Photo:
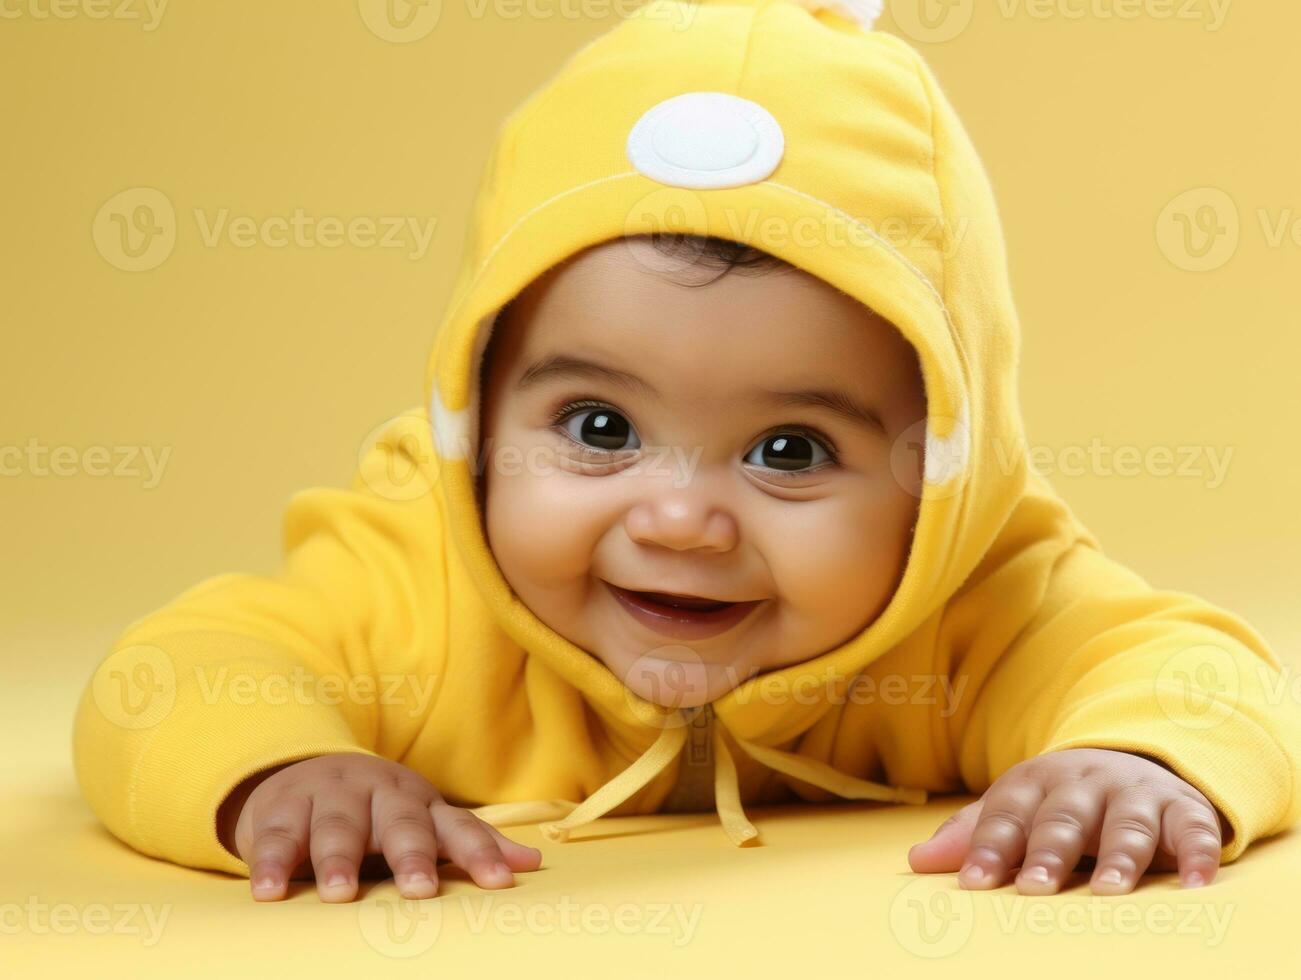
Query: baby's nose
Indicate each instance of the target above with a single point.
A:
(683, 521)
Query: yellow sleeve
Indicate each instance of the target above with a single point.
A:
(1074, 650)
(341, 651)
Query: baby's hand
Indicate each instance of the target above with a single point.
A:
(335, 809)
(1119, 807)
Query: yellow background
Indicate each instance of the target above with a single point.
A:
(263, 370)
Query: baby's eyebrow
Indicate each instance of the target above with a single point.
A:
(566, 366)
(833, 400)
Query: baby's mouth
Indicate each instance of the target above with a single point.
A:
(682, 616)
(675, 601)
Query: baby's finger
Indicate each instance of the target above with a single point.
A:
(519, 857)
(1063, 826)
(468, 843)
(1192, 835)
(404, 829)
(999, 838)
(279, 844)
(947, 846)
(340, 831)
(1131, 829)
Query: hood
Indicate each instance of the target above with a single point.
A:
(685, 116)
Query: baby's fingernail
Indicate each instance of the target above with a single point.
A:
(414, 880)
(1037, 873)
(264, 884)
(973, 872)
(1194, 880)
(502, 871)
(1110, 877)
(336, 880)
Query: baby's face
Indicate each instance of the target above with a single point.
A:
(648, 437)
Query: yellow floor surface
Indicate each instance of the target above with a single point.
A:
(829, 893)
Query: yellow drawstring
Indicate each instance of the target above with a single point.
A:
(647, 767)
(524, 811)
(727, 794)
(562, 816)
(825, 777)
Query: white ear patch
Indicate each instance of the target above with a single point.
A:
(865, 12)
(948, 458)
(451, 429)
(706, 140)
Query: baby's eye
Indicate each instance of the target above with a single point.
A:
(601, 428)
(788, 451)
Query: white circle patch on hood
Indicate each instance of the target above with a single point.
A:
(706, 140)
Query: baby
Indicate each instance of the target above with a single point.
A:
(720, 499)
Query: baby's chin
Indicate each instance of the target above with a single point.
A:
(674, 676)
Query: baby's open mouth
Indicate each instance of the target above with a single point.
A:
(682, 616)
(676, 601)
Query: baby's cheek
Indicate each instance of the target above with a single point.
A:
(835, 564)
(542, 527)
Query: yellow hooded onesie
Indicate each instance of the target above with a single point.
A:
(390, 629)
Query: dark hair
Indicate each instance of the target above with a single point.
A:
(712, 252)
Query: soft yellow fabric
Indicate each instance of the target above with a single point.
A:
(1007, 602)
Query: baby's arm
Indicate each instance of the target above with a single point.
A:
(341, 651)
(1106, 718)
